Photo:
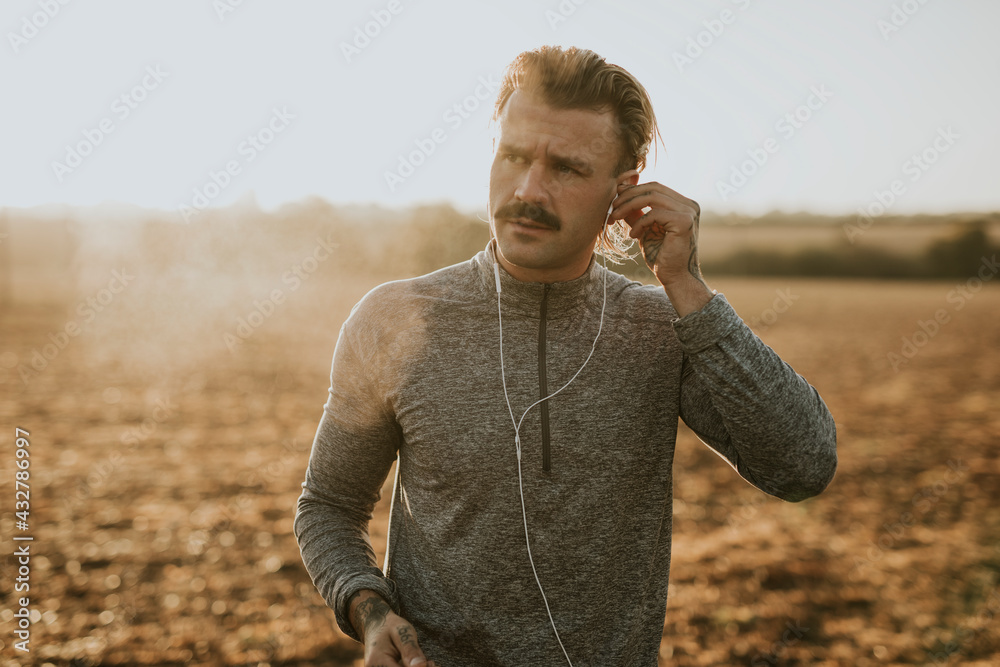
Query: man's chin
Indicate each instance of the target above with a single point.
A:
(521, 254)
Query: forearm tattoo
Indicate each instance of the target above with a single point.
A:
(371, 613)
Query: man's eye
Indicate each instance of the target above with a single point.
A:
(566, 169)
(513, 159)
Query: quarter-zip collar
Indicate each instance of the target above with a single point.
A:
(542, 302)
(523, 298)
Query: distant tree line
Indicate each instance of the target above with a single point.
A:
(955, 257)
(244, 243)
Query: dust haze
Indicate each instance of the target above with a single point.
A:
(172, 376)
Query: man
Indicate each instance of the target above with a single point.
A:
(532, 397)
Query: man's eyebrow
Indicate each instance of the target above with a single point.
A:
(505, 147)
(580, 164)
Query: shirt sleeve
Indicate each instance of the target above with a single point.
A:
(354, 447)
(752, 407)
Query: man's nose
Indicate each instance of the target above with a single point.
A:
(533, 187)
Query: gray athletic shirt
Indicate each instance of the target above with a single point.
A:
(416, 377)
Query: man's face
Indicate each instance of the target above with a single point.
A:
(550, 186)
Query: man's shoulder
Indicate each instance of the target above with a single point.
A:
(408, 298)
(450, 279)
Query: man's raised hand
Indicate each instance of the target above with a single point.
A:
(668, 236)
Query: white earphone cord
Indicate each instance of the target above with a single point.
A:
(517, 425)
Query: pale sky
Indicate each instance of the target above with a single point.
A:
(297, 104)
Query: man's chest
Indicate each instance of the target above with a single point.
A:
(457, 406)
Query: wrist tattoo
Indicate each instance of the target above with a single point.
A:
(371, 614)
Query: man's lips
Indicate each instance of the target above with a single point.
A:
(531, 224)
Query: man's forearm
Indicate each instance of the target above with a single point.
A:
(752, 407)
(367, 611)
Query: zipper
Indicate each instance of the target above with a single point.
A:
(543, 388)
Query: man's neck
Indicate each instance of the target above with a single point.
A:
(546, 275)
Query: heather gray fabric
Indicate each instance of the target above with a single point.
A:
(416, 374)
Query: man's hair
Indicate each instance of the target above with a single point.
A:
(577, 78)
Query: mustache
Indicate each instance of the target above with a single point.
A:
(537, 214)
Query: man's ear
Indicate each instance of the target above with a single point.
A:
(630, 177)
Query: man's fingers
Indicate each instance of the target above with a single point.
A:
(632, 199)
(671, 221)
(629, 209)
(405, 638)
(387, 659)
(394, 645)
(676, 196)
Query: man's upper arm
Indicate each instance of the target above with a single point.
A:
(358, 437)
(355, 445)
